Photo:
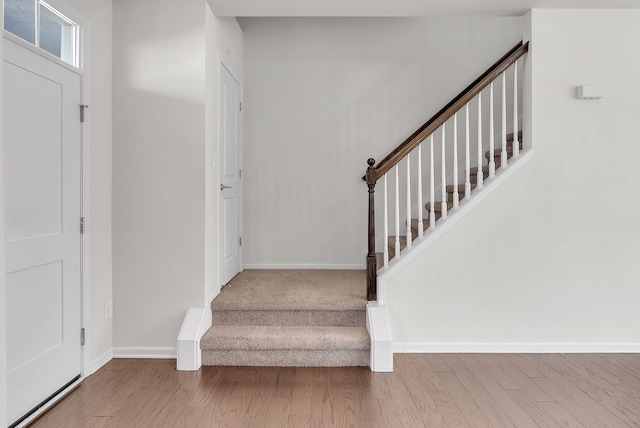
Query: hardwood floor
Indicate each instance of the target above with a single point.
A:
(426, 390)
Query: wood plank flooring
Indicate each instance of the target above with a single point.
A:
(426, 390)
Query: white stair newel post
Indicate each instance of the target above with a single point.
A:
(386, 225)
(397, 243)
(504, 120)
(480, 173)
(467, 180)
(408, 201)
(443, 205)
(420, 207)
(456, 194)
(432, 190)
(516, 143)
(492, 162)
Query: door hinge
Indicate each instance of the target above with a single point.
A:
(82, 336)
(240, 240)
(240, 174)
(81, 225)
(83, 108)
(240, 105)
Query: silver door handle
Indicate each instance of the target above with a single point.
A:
(222, 187)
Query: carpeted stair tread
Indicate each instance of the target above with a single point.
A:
(438, 207)
(461, 187)
(498, 151)
(392, 245)
(285, 337)
(415, 227)
(296, 290)
(289, 317)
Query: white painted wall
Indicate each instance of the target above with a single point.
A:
(165, 183)
(158, 163)
(224, 44)
(551, 256)
(324, 94)
(99, 15)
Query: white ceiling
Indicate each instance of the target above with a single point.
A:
(402, 7)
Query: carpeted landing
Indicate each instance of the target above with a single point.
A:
(312, 318)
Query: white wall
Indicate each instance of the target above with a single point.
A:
(165, 182)
(323, 95)
(99, 15)
(158, 178)
(551, 256)
(224, 44)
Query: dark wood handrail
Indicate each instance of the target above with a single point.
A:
(450, 109)
(374, 173)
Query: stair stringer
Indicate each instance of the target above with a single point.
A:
(467, 205)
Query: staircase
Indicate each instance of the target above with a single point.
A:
(437, 206)
(305, 318)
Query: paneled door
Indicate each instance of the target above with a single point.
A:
(230, 176)
(42, 186)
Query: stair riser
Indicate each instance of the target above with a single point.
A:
(291, 318)
(287, 357)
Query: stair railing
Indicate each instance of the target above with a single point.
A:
(459, 106)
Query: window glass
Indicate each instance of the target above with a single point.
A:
(57, 35)
(20, 18)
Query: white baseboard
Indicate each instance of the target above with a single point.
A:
(515, 348)
(101, 361)
(304, 266)
(160, 352)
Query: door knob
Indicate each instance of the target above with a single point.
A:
(222, 187)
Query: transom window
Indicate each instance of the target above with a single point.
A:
(40, 24)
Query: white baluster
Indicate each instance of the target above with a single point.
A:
(386, 226)
(408, 201)
(397, 243)
(467, 180)
(516, 143)
(480, 173)
(492, 162)
(432, 192)
(504, 120)
(420, 207)
(456, 195)
(443, 205)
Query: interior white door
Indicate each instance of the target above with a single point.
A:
(42, 185)
(230, 176)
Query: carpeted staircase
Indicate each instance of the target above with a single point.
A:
(312, 318)
(497, 156)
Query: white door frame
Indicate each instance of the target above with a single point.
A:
(222, 64)
(85, 202)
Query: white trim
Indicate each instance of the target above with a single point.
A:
(212, 296)
(99, 362)
(303, 266)
(196, 322)
(521, 348)
(443, 225)
(160, 352)
(235, 76)
(50, 403)
(379, 329)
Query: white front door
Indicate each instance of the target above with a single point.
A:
(230, 176)
(42, 185)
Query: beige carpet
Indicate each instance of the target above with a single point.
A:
(289, 318)
(294, 290)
